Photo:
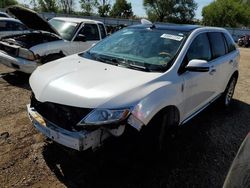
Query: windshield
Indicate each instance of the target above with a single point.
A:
(65, 29)
(148, 49)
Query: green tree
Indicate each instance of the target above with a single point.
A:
(48, 5)
(226, 13)
(103, 8)
(88, 6)
(6, 3)
(121, 9)
(179, 11)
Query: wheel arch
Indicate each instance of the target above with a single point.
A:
(172, 110)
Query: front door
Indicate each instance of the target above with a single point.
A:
(199, 87)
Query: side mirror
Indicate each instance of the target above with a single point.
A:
(81, 37)
(197, 65)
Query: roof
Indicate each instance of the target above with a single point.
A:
(9, 19)
(184, 28)
(76, 20)
(3, 13)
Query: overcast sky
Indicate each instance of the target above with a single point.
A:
(140, 11)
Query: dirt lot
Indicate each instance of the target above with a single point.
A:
(199, 157)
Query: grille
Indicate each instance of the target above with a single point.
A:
(63, 116)
(10, 50)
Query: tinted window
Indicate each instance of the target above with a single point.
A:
(19, 26)
(102, 30)
(3, 26)
(90, 31)
(230, 43)
(217, 44)
(11, 26)
(200, 48)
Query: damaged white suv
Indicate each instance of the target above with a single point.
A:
(47, 41)
(141, 73)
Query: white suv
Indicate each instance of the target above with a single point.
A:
(140, 74)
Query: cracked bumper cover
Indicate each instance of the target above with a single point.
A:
(79, 140)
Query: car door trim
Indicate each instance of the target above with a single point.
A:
(200, 110)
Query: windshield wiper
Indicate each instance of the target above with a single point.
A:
(137, 65)
(103, 58)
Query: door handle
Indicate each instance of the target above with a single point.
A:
(231, 62)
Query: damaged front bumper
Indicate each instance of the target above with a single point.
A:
(17, 63)
(78, 140)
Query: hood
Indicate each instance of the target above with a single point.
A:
(80, 82)
(31, 19)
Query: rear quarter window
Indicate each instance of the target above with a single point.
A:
(217, 44)
(230, 43)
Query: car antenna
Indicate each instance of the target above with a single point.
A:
(147, 22)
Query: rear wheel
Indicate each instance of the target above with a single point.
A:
(227, 96)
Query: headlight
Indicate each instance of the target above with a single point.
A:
(26, 54)
(104, 116)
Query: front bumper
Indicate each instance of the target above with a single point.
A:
(17, 63)
(80, 140)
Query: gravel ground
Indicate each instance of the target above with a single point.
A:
(199, 157)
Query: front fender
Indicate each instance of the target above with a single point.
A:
(149, 106)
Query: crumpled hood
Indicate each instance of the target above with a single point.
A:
(81, 82)
(31, 19)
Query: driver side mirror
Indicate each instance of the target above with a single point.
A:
(81, 37)
(197, 65)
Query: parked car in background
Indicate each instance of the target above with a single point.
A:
(147, 77)
(4, 15)
(11, 26)
(47, 41)
(244, 41)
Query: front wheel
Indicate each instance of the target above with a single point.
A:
(160, 131)
(227, 96)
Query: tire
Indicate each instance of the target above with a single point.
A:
(160, 131)
(227, 95)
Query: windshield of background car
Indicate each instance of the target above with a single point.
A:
(151, 49)
(65, 29)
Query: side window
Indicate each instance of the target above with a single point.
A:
(230, 43)
(199, 49)
(102, 30)
(217, 44)
(90, 31)
(19, 27)
(3, 25)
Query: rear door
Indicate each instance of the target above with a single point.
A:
(220, 59)
(225, 62)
